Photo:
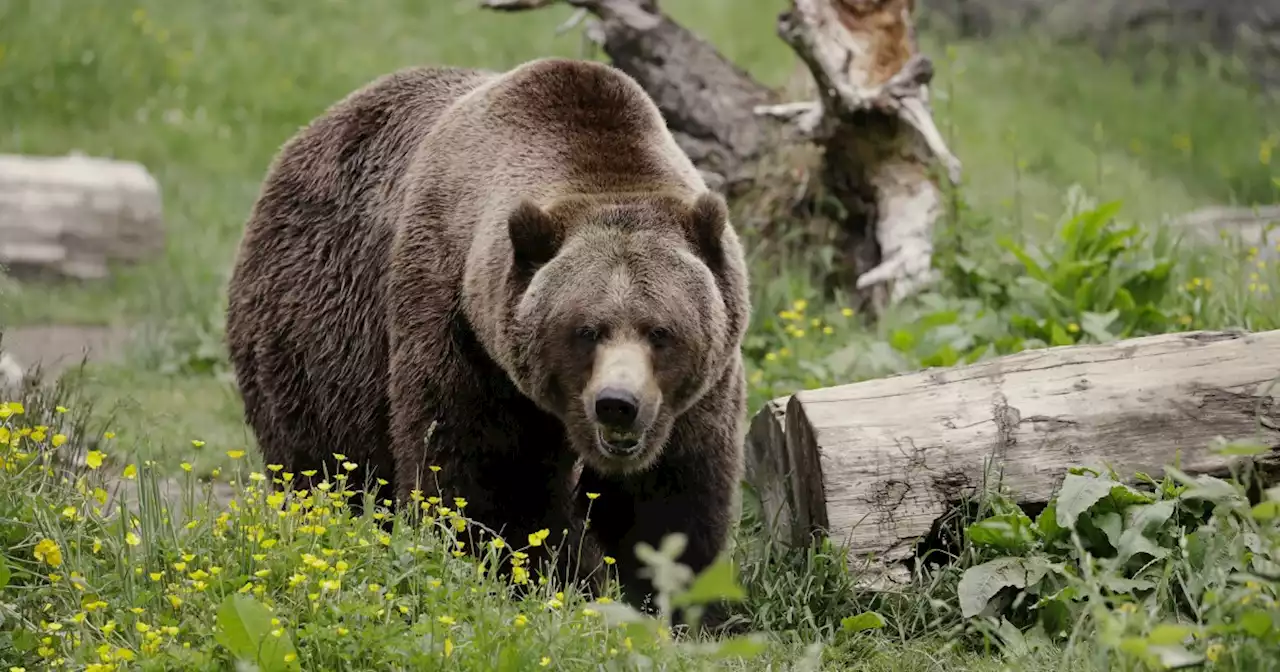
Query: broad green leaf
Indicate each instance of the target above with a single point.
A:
(1166, 634)
(1094, 539)
(1266, 511)
(938, 319)
(1148, 519)
(25, 641)
(980, 583)
(902, 340)
(867, 620)
(4, 573)
(1142, 524)
(1013, 641)
(1256, 622)
(1055, 616)
(1211, 489)
(1124, 300)
(1138, 544)
(1121, 585)
(1197, 548)
(1096, 325)
(245, 630)
(1058, 335)
(1247, 448)
(1010, 532)
(1124, 495)
(1033, 269)
(716, 582)
(1112, 525)
(1078, 493)
(1047, 523)
(743, 646)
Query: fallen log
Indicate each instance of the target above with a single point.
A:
(875, 464)
(866, 139)
(71, 217)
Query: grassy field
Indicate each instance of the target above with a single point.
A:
(204, 93)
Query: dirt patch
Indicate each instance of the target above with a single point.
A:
(56, 348)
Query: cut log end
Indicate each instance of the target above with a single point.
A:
(874, 465)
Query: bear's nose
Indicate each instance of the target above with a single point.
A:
(617, 408)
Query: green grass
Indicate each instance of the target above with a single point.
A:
(204, 93)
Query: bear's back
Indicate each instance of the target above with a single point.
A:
(547, 128)
(305, 322)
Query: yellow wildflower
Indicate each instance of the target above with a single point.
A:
(47, 551)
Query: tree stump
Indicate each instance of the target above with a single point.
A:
(868, 137)
(876, 464)
(72, 217)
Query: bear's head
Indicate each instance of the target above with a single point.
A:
(625, 313)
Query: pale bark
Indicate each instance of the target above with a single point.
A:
(875, 464)
(73, 216)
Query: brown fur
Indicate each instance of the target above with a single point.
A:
(479, 253)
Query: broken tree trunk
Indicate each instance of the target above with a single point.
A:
(72, 216)
(870, 125)
(875, 464)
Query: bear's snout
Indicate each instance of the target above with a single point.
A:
(622, 398)
(617, 408)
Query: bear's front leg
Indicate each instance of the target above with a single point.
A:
(692, 489)
(452, 408)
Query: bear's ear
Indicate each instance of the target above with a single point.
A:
(704, 225)
(535, 235)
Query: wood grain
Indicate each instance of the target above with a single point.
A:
(874, 464)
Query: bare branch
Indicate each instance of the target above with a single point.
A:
(806, 116)
(517, 5)
(572, 22)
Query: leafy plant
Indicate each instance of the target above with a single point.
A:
(1180, 571)
(1094, 277)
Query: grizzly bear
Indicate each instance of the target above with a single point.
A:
(517, 278)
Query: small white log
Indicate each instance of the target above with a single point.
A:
(1256, 226)
(874, 464)
(12, 375)
(73, 216)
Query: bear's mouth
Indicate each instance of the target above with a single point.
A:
(618, 443)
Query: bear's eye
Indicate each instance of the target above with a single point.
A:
(587, 334)
(660, 337)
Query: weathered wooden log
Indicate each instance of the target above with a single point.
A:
(874, 464)
(70, 217)
(869, 123)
